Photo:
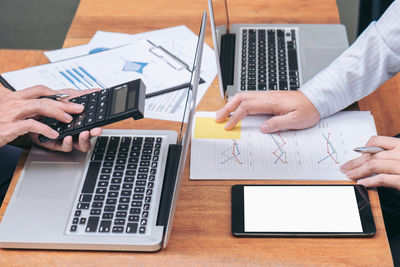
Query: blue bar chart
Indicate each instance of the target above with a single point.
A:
(80, 78)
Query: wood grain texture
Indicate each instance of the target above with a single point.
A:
(16, 59)
(201, 231)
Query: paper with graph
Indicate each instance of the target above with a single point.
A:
(103, 70)
(246, 153)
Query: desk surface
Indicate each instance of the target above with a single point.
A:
(201, 232)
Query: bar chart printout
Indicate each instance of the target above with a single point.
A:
(246, 153)
(79, 78)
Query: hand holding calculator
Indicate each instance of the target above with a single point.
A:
(101, 108)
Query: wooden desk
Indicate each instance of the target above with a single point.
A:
(201, 233)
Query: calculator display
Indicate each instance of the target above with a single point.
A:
(123, 99)
(131, 99)
(119, 96)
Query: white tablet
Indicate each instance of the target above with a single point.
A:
(301, 210)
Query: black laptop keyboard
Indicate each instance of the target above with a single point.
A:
(117, 192)
(269, 60)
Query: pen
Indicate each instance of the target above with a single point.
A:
(55, 97)
(369, 149)
(171, 89)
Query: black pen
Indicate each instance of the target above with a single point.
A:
(171, 89)
(55, 97)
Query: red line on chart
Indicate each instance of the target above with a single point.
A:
(279, 153)
(232, 153)
(331, 152)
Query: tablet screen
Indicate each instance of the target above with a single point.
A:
(301, 209)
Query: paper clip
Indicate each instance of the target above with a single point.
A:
(168, 57)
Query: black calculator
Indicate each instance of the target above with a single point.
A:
(101, 108)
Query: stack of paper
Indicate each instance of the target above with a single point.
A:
(246, 153)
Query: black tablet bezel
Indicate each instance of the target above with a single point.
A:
(364, 208)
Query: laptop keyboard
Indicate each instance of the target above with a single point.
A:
(269, 60)
(117, 192)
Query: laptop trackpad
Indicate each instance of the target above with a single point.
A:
(49, 180)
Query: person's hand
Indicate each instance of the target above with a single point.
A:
(379, 169)
(292, 110)
(18, 111)
(67, 144)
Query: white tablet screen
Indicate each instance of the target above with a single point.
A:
(301, 209)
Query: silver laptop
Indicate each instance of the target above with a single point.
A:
(121, 195)
(261, 57)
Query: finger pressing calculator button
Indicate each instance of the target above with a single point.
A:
(81, 116)
(51, 122)
(59, 128)
(83, 101)
(96, 113)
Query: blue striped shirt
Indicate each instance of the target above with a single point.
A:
(361, 69)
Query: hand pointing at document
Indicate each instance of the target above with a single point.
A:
(292, 110)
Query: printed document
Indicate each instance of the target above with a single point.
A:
(246, 153)
(103, 70)
(179, 40)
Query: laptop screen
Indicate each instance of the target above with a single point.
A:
(185, 133)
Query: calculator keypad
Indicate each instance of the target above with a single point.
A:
(95, 111)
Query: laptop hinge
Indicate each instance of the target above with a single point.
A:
(171, 170)
(6, 84)
(227, 59)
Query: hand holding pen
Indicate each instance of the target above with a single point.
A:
(379, 164)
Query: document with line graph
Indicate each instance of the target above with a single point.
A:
(246, 153)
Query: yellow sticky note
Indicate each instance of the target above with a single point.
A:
(207, 128)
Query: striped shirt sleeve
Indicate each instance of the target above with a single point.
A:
(361, 69)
